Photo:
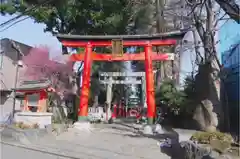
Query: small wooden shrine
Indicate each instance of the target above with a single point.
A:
(34, 109)
(35, 94)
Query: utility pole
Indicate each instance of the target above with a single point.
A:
(1, 58)
(18, 53)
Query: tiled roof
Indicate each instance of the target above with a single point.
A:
(34, 85)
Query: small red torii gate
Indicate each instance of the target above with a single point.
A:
(147, 41)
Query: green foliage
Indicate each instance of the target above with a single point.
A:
(179, 102)
(190, 92)
(77, 17)
(170, 96)
(219, 141)
(189, 87)
(205, 137)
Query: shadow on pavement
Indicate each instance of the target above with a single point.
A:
(174, 151)
(169, 143)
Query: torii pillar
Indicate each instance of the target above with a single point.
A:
(83, 112)
(151, 106)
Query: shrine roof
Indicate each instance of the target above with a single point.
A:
(33, 85)
(167, 35)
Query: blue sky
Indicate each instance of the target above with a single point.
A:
(228, 34)
(30, 33)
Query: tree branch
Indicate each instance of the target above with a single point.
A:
(231, 8)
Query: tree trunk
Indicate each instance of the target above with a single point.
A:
(208, 64)
(160, 27)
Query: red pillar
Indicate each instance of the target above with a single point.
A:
(114, 113)
(151, 107)
(83, 112)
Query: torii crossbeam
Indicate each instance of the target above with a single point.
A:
(147, 41)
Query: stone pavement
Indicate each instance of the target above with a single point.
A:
(102, 142)
(105, 142)
(13, 152)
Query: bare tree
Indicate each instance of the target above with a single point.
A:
(203, 17)
(231, 8)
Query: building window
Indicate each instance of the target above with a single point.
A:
(33, 101)
(235, 59)
(232, 60)
(237, 54)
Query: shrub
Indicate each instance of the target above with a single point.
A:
(219, 141)
(205, 137)
(169, 96)
(22, 125)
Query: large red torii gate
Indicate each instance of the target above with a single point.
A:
(147, 41)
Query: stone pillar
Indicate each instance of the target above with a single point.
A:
(144, 102)
(109, 97)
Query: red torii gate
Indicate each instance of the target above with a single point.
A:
(90, 41)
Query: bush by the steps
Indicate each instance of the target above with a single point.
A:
(205, 137)
(22, 125)
(219, 141)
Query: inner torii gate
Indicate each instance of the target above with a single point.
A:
(109, 81)
(117, 42)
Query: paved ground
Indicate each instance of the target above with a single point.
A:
(13, 152)
(103, 142)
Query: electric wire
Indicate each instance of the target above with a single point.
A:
(24, 13)
(16, 22)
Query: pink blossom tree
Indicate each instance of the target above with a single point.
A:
(40, 66)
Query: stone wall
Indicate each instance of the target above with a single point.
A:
(30, 118)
